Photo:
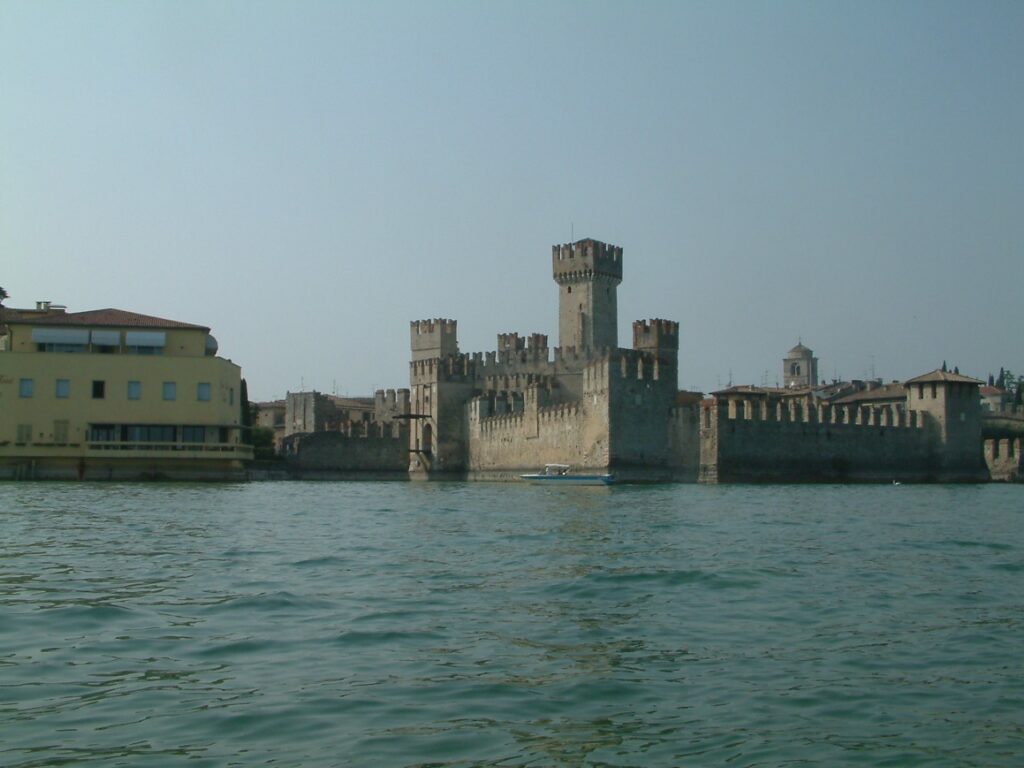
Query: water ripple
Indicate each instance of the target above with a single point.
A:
(461, 625)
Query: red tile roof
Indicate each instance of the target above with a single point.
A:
(940, 375)
(117, 318)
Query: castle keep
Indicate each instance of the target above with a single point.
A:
(586, 402)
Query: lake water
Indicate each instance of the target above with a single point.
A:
(324, 624)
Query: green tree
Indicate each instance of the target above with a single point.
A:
(246, 415)
(263, 442)
(3, 295)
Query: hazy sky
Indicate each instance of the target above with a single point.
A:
(306, 178)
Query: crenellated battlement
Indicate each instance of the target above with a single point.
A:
(432, 326)
(586, 259)
(656, 335)
(433, 338)
(390, 398)
(388, 403)
(449, 368)
(511, 342)
(797, 411)
(1004, 460)
(477, 366)
(507, 411)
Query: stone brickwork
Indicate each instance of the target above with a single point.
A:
(1003, 458)
(362, 447)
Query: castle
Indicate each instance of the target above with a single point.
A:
(603, 408)
(586, 402)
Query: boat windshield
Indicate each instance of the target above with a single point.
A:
(556, 469)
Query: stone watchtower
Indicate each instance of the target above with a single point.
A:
(954, 406)
(800, 368)
(588, 273)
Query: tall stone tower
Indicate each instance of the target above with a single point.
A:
(588, 273)
(800, 368)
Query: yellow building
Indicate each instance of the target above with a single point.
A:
(109, 394)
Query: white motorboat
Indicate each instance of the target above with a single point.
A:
(562, 474)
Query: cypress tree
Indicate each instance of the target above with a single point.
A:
(246, 415)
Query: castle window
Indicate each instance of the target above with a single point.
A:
(920, 391)
(934, 395)
(568, 289)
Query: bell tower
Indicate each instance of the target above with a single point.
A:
(588, 273)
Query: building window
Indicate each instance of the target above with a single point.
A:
(148, 433)
(63, 388)
(24, 434)
(231, 396)
(134, 390)
(193, 434)
(62, 348)
(140, 350)
(203, 391)
(60, 432)
(102, 433)
(170, 390)
(25, 387)
(99, 390)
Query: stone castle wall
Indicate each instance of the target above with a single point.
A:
(625, 421)
(742, 441)
(524, 441)
(364, 447)
(684, 443)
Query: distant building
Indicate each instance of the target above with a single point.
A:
(996, 399)
(115, 394)
(271, 415)
(800, 368)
